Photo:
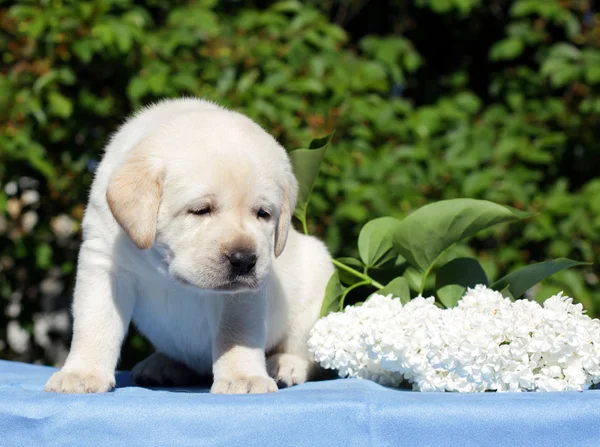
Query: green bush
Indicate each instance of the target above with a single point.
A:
(430, 99)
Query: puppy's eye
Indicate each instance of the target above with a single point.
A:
(201, 211)
(262, 214)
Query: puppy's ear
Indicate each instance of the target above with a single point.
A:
(288, 205)
(133, 196)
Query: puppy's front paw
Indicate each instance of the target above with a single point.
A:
(79, 382)
(288, 369)
(244, 385)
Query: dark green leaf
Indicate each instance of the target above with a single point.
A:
(333, 295)
(453, 278)
(426, 233)
(375, 241)
(306, 164)
(506, 293)
(398, 287)
(519, 281)
(414, 278)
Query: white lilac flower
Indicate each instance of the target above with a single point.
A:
(486, 342)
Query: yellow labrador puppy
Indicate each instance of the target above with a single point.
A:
(184, 233)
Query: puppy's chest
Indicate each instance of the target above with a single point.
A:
(177, 321)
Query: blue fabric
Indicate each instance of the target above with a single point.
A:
(333, 413)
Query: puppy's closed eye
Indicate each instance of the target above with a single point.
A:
(203, 210)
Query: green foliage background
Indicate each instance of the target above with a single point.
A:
(430, 100)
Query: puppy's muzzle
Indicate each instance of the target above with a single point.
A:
(242, 262)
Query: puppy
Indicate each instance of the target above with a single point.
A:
(188, 217)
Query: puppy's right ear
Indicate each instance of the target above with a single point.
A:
(133, 196)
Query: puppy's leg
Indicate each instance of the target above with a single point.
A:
(160, 370)
(289, 364)
(307, 258)
(288, 369)
(102, 308)
(238, 351)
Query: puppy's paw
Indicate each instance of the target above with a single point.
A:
(288, 369)
(244, 385)
(78, 382)
(159, 370)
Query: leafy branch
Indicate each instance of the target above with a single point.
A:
(419, 242)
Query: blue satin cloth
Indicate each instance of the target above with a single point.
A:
(333, 413)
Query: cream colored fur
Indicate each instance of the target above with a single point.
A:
(151, 256)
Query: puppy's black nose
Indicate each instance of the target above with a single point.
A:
(242, 262)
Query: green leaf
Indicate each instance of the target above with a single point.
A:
(453, 278)
(136, 88)
(60, 105)
(333, 295)
(506, 49)
(426, 233)
(306, 164)
(43, 256)
(414, 278)
(398, 287)
(376, 241)
(519, 281)
(287, 6)
(566, 51)
(506, 293)
(248, 80)
(592, 74)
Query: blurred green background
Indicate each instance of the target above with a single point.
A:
(430, 100)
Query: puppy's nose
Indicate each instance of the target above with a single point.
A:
(242, 262)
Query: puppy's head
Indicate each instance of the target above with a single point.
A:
(213, 194)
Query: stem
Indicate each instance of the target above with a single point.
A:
(349, 289)
(356, 273)
(367, 280)
(304, 226)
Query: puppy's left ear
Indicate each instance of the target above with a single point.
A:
(288, 205)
